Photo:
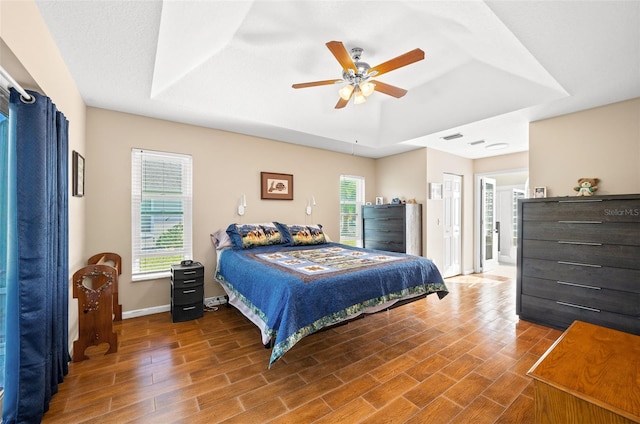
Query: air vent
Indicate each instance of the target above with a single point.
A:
(452, 136)
(475, 143)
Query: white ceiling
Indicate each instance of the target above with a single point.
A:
(490, 67)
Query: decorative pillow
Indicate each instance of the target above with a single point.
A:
(300, 235)
(221, 239)
(246, 236)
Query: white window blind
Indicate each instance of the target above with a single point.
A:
(351, 201)
(161, 210)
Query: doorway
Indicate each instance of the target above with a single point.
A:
(495, 229)
(452, 220)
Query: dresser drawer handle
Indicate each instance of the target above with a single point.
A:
(188, 308)
(580, 201)
(189, 281)
(577, 306)
(582, 243)
(188, 291)
(565, 283)
(579, 264)
(189, 272)
(580, 222)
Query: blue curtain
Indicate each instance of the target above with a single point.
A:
(37, 353)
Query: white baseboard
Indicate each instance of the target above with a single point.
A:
(215, 300)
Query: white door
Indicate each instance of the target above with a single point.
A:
(452, 216)
(488, 230)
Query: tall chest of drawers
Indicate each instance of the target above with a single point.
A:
(579, 259)
(394, 228)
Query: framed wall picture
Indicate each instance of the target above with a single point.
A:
(276, 186)
(78, 174)
(435, 191)
(539, 192)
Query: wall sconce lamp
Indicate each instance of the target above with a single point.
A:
(310, 202)
(242, 204)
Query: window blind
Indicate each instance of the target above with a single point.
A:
(351, 201)
(161, 212)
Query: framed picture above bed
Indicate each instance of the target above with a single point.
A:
(276, 186)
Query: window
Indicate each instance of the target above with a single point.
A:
(515, 195)
(351, 201)
(161, 202)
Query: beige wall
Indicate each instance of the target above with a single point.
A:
(603, 143)
(439, 162)
(403, 176)
(226, 165)
(513, 161)
(24, 32)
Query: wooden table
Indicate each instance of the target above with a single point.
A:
(591, 374)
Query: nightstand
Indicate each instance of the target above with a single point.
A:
(187, 291)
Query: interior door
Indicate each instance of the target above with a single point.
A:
(452, 217)
(489, 231)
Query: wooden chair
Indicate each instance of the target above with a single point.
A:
(93, 287)
(114, 260)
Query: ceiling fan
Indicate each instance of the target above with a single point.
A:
(358, 74)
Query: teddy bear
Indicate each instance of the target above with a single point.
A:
(587, 186)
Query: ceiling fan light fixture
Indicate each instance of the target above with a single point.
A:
(367, 88)
(345, 92)
(359, 97)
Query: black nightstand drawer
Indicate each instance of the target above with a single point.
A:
(187, 295)
(187, 272)
(189, 282)
(180, 313)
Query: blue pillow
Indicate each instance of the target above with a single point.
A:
(246, 236)
(302, 235)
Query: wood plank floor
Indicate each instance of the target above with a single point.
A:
(458, 360)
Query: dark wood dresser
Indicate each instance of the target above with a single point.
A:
(579, 259)
(394, 228)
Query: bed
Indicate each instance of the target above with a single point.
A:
(291, 281)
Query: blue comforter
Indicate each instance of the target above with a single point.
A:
(299, 290)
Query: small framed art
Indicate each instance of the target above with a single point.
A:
(435, 191)
(540, 192)
(276, 186)
(78, 174)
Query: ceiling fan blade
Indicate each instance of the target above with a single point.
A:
(341, 103)
(316, 83)
(391, 90)
(398, 62)
(342, 55)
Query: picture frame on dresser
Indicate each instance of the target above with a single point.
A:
(540, 192)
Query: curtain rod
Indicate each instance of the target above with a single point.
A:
(14, 84)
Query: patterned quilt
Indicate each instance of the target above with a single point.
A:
(297, 291)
